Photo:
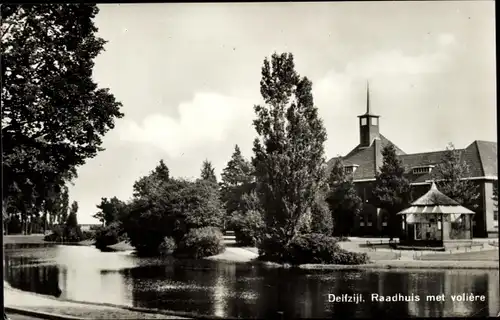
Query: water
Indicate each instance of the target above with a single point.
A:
(237, 290)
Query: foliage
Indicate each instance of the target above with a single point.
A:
(288, 153)
(449, 174)
(321, 217)
(170, 207)
(53, 114)
(392, 190)
(167, 246)
(69, 231)
(57, 203)
(208, 172)
(343, 199)
(109, 235)
(237, 180)
(110, 210)
(198, 205)
(72, 221)
(247, 222)
(201, 242)
(248, 227)
(321, 249)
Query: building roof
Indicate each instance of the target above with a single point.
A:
(366, 158)
(434, 197)
(480, 156)
(434, 201)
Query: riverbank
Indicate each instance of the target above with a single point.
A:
(18, 301)
(38, 239)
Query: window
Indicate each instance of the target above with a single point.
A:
(374, 121)
(350, 169)
(431, 222)
(495, 215)
(363, 121)
(418, 231)
(384, 221)
(369, 222)
(362, 221)
(422, 170)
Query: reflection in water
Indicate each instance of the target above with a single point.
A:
(239, 290)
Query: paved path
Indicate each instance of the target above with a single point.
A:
(354, 246)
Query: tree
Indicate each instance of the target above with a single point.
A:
(72, 221)
(237, 181)
(343, 200)
(167, 207)
(449, 176)
(53, 114)
(392, 190)
(288, 152)
(110, 210)
(156, 179)
(208, 172)
(321, 217)
(197, 205)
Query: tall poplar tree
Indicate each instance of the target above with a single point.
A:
(288, 152)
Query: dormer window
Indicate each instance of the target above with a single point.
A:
(422, 169)
(350, 168)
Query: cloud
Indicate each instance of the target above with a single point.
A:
(212, 120)
(446, 39)
(209, 118)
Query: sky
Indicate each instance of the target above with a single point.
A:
(188, 77)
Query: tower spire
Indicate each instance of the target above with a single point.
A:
(367, 97)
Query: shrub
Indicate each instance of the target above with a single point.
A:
(312, 248)
(88, 235)
(56, 235)
(318, 248)
(350, 258)
(65, 233)
(201, 242)
(247, 227)
(167, 246)
(271, 248)
(109, 235)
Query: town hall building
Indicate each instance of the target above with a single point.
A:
(366, 158)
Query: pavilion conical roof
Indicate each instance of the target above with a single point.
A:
(434, 197)
(434, 201)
